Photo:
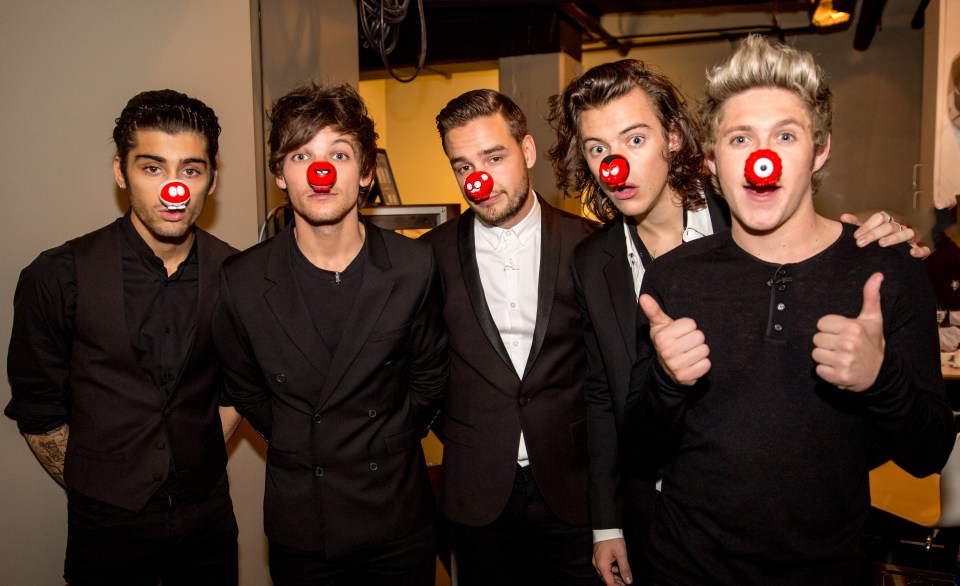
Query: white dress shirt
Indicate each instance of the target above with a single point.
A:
(509, 262)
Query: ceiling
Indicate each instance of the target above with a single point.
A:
(472, 34)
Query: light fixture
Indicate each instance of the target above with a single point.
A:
(831, 12)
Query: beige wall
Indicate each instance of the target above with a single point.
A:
(68, 68)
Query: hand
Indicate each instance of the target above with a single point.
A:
(610, 560)
(849, 352)
(681, 348)
(881, 228)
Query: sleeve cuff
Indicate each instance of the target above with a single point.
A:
(607, 534)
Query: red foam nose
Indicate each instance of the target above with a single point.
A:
(763, 168)
(321, 176)
(174, 193)
(614, 171)
(478, 186)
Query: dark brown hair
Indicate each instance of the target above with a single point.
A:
(474, 104)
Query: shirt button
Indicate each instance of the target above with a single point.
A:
(372, 413)
(515, 343)
(781, 288)
(374, 466)
(318, 471)
(778, 327)
(167, 330)
(513, 304)
(317, 418)
(161, 444)
(281, 378)
(780, 306)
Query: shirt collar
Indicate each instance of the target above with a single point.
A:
(527, 228)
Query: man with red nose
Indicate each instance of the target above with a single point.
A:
(514, 461)
(782, 359)
(334, 349)
(115, 382)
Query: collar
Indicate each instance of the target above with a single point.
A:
(527, 228)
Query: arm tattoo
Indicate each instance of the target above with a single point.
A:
(51, 448)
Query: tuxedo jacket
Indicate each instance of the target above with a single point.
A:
(489, 404)
(345, 471)
(605, 291)
(124, 431)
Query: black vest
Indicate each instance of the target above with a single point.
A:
(125, 433)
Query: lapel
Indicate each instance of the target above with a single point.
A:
(550, 247)
(619, 280)
(375, 290)
(471, 280)
(284, 300)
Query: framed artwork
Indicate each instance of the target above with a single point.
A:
(384, 185)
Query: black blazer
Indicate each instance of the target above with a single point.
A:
(345, 470)
(488, 404)
(605, 292)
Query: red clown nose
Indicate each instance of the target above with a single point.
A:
(321, 176)
(174, 194)
(614, 171)
(478, 186)
(763, 168)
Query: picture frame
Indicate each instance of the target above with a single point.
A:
(384, 185)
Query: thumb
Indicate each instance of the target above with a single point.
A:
(871, 298)
(652, 310)
(850, 219)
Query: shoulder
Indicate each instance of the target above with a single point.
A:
(254, 257)
(599, 241)
(569, 224)
(445, 231)
(51, 269)
(208, 244)
(403, 251)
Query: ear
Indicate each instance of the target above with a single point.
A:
(213, 182)
(366, 181)
(118, 173)
(673, 140)
(281, 182)
(529, 151)
(711, 164)
(820, 159)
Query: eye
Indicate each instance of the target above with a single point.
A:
(339, 156)
(597, 150)
(739, 140)
(786, 137)
(152, 169)
(496, 159)
(635, 140)
(299, 157)
(462, 170)
(191, 172)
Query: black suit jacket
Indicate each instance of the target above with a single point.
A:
(345, 470)
(606, 295)
(489, 404)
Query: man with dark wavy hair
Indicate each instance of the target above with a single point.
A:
(335, 350)
(115, 382)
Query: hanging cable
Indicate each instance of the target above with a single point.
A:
(380, 20)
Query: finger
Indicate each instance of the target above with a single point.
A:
(850, 219)
(625, 572)
(652, 310)
(898, 233)
(871, 298)
(919, 250)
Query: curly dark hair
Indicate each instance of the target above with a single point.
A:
(599, 86)
(309, 108)
(168, 111)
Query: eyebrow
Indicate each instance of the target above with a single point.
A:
(485, 152)
(159, 159)
(627, 130)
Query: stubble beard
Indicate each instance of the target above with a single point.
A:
(515, 202)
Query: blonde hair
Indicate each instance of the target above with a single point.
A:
(758, 63)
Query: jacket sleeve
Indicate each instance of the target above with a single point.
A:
(429, 365)
(244, 387)
(603, 453)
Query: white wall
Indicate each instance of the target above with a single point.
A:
(68, 68)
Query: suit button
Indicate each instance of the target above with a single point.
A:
(157, 477)
(387, 363)
(161, 444)
(524, 401)
(317, 418)
(281, 378)
(318, 471)
(374, 466)
(167, 412)
(372, 413)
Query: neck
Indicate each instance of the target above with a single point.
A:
(171, 251)
(796, 240)
(330, 247)
(661, 228)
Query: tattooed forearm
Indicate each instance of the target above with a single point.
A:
(51, 448)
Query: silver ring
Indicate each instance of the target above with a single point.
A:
(899, 225)
(886, 217)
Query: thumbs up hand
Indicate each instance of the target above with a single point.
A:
(681, 348)
(849, 352)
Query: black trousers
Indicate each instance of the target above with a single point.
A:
(408, 561)
(177, 538)
(527, 544)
